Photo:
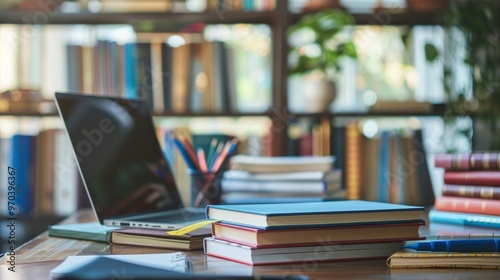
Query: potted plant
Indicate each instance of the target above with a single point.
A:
(318, 42)
(473, 39)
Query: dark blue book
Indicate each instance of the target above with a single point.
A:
(23, 161)
(166, 75)
(144, 73)
(314, 214)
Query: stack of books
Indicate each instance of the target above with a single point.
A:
(448, 252)
(311, 231)
(156, 238)
(471, 191)
(254, 179)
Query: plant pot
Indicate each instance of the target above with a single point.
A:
(317, 93)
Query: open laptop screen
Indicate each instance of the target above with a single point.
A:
(120, 159)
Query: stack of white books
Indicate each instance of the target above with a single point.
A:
(254, 179)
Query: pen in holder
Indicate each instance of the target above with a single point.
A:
(205, 188)
(205, 170)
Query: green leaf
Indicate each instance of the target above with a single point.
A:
(431, 52)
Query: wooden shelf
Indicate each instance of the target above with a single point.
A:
(390, 17)
(165, 114)
(383, 17)
(41, 17)
(437, 111)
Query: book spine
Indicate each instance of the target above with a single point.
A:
(22, 160)
(353, 161)
(474, 161)
(484, 178)
(485, 161)
(486, 192)
(468, 205)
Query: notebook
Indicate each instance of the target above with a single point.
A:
(124, 170)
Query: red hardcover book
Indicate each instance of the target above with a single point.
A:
(488, 192)
(473, 161)
(468, 205)
(259, 238)
(478, 178)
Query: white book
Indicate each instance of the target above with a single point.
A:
(260, 164)
(279, 186)
(4, 164)
(326, 176)
(280, 255)
(65, 181)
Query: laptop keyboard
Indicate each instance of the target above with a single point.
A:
(175, 217)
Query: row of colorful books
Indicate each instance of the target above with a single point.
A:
(45, 177)
(471, 191)
(391, 166)
(193, 76)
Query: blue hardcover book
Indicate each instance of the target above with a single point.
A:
(464, 219)
(22, 160)
(313, 214)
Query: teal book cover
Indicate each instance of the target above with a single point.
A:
(308, 214)
(86, 231)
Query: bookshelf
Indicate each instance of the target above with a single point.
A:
(278, 21)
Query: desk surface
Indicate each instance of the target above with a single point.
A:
(35, 259)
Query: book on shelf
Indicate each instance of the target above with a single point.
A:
(22, 162)
(65, 195)
(282, 255)
(310, 214)
(259, 238)
(471, 161)
(464, 219)
(127, 6)
(390, 171)
(401, 106)
(5, 151)
(160, 239)
(485, 178)
(353, 155)
(408, 258)
(259, 164)
(486, 192)
(468, 205)
(46, 172)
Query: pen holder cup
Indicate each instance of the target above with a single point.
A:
(205, 188)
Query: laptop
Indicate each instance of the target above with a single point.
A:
(124, 170)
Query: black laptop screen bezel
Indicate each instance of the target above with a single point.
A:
(83, 114)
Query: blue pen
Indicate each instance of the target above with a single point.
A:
(457, 245)
(184, 154)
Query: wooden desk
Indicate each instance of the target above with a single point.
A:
(35, 259)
